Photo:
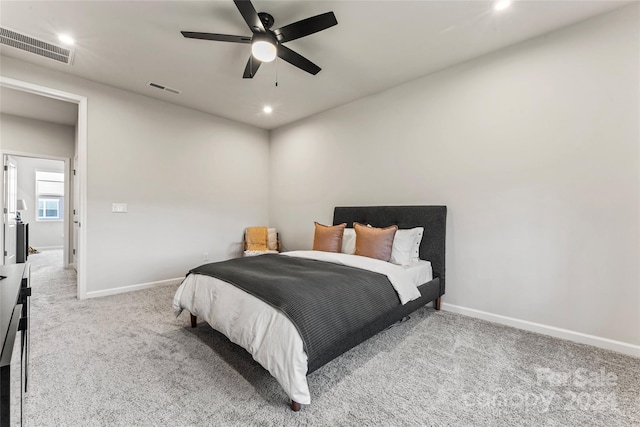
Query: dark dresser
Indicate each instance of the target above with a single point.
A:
(22, 247)
(14, 335)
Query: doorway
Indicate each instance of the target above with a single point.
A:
(38, 195)
(80, 171)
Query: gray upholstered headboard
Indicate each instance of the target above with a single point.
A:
(432, 218)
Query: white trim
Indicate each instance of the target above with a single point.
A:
(579, 337)
(131, 288)
(34, 156)
(81, 252)
(82, 164)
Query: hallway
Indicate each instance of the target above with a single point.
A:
(50, 282)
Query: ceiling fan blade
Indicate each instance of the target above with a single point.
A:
(297, 60)
(216, 37)
(250, 15)
(305, 27)
(252, 67)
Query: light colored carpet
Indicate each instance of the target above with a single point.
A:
(126, 360)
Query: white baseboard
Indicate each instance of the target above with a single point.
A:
(579, 337)
(131, 288)
(47, 248)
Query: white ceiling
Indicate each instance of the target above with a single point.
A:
(37, 107)
(376, 45)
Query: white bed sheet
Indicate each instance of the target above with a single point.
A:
(263, 331)
(266, 333)
(420, 272)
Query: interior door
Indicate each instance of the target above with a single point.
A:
(10, 202)
(76, 214)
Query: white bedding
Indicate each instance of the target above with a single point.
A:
(420, 272)
(265, 332)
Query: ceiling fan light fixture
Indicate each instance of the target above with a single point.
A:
(267, 44)
(263, 50)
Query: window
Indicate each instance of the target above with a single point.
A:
(50, 195)
(48, 208)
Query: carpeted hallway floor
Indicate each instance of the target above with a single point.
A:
(125, 360)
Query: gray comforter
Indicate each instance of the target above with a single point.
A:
(326, 302)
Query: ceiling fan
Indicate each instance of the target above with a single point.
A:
(266, 44)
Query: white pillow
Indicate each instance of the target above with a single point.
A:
(406, 246)
(349, 241)
(272, 239)
(416, 244)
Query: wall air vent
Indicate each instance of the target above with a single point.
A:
(165, 88)
(35, 46)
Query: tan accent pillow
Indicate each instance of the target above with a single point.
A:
(374, 242)
(328, 238)
(256, 238)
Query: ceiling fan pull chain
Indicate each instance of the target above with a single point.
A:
(276, 72)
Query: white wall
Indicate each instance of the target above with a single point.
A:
(37, 137)
(534, 149)
(42, 234)
(192, 182)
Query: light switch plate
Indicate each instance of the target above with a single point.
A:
(119, 207)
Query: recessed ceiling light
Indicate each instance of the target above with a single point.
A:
(66, 39)
(501, 5)
(268, 109)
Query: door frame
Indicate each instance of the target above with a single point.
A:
(8, 223)
(73, 259)
(82, 139)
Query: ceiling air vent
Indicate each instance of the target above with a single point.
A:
(35, 46)
(165, 88)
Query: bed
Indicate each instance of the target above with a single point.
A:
(325, 304)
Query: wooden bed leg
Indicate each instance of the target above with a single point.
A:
(194, 320)
(436, 303)
(295, 406)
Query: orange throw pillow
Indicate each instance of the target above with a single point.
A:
(256, 238)
(328, 238)
(374, 242)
